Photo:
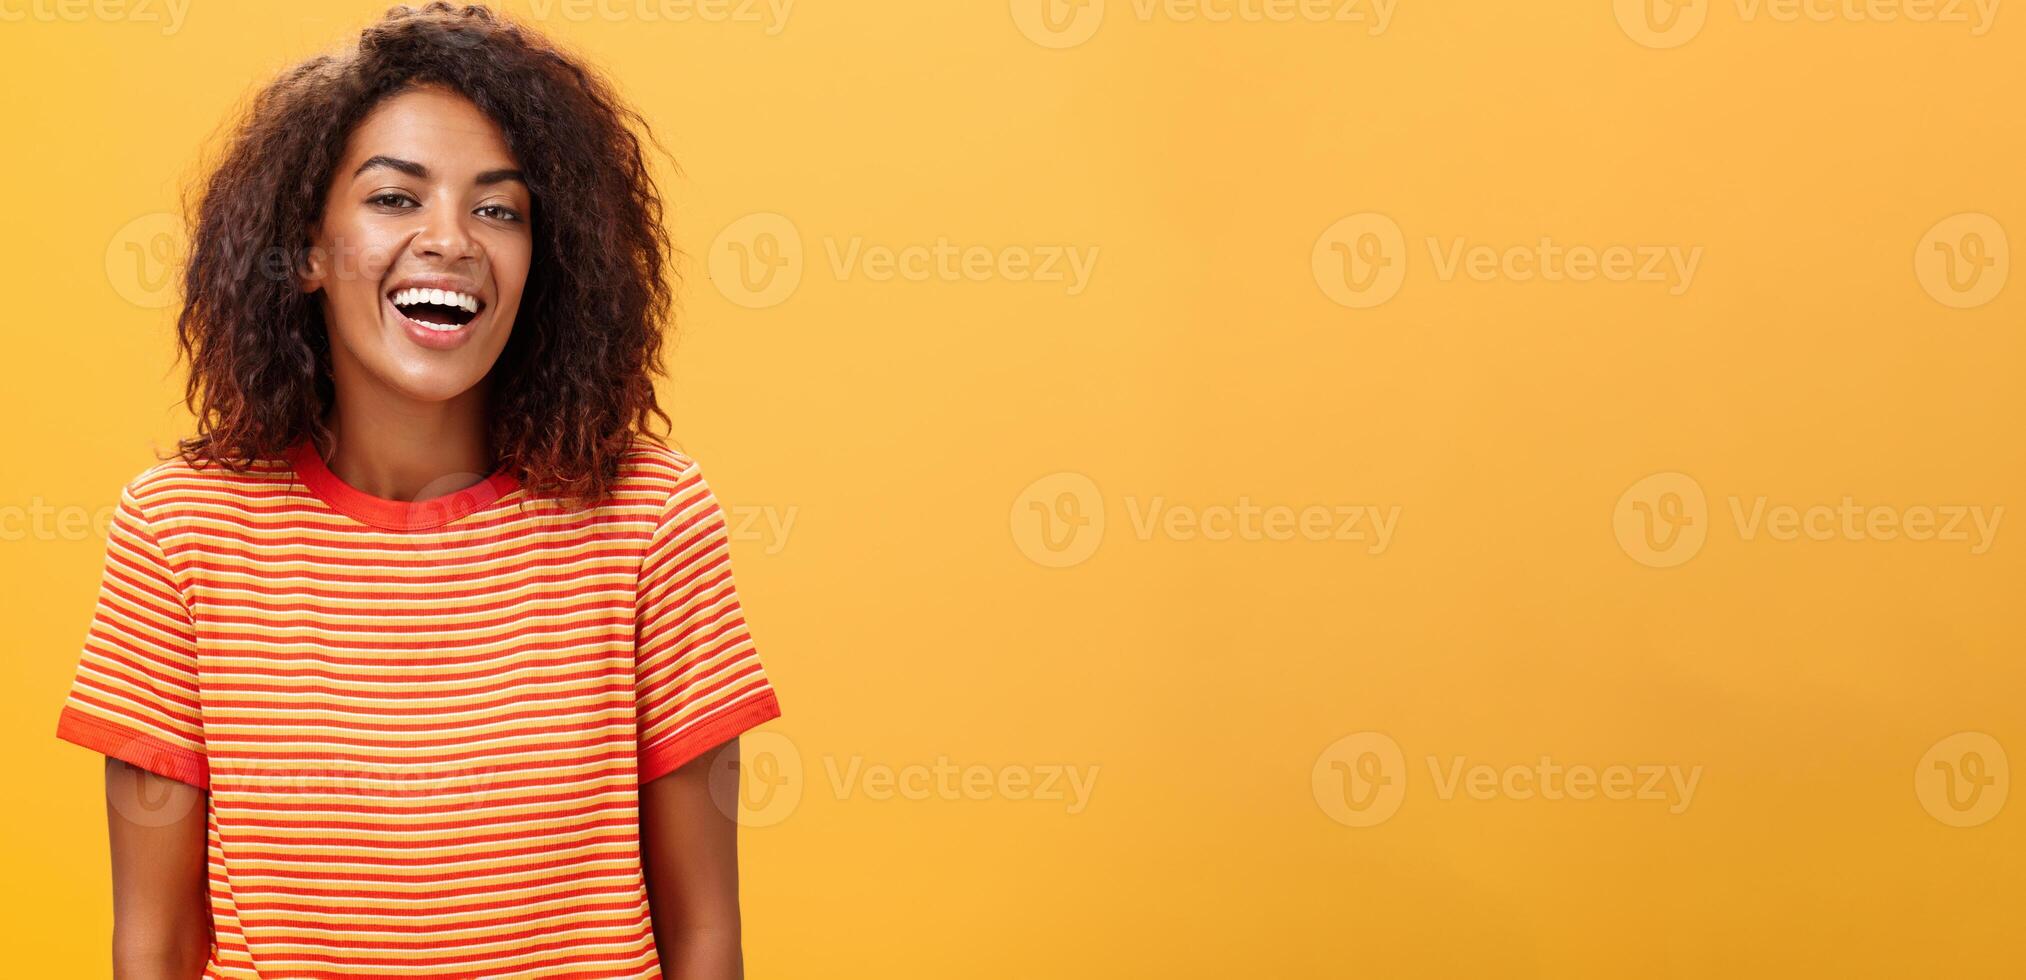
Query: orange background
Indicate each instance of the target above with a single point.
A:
(1268, 720)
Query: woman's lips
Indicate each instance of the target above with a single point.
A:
(433, 337)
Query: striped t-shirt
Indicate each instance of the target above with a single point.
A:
(423, 725)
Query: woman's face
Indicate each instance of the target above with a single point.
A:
(423, 248)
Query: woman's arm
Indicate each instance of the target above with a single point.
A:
(690, 853)
(161, 913)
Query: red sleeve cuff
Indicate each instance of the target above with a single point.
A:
(130, 746)
(711, 732)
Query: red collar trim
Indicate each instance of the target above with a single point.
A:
(395, 515)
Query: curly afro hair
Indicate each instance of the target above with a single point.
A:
(574, 383)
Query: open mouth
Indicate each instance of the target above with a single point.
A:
(437, 309)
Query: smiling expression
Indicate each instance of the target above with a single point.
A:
(423, 247)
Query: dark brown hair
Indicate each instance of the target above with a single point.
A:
(575, 380)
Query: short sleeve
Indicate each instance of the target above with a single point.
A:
(697, 677)
(134, 696)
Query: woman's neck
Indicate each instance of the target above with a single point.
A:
(404, 450)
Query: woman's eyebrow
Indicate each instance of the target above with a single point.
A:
(421, 172)
(408, 167)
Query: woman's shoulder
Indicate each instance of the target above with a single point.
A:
(179, 475)
(167, 494)
(649, 459)
(651, 469)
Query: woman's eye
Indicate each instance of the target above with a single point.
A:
(501, 211)
(390, 200)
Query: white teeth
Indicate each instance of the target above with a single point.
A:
(440, 297)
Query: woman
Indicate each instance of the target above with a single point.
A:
(436, 640)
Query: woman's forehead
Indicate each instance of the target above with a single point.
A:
(433, 126)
